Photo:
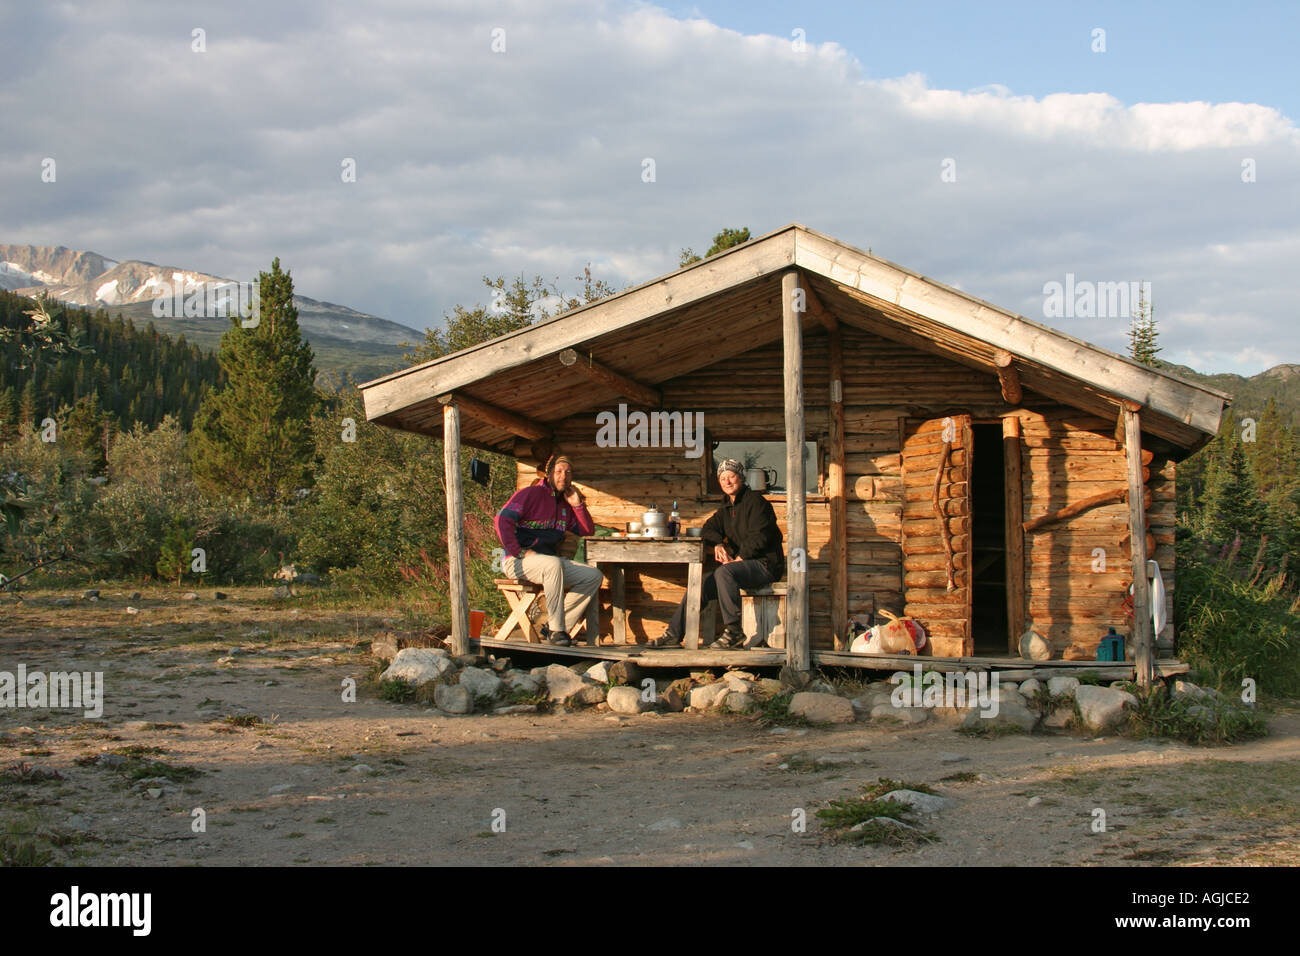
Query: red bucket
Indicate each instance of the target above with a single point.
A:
(476, 624)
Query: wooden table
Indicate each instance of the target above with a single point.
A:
(611, 555)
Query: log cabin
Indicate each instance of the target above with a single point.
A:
(930, 454)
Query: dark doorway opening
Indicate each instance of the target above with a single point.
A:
(988, 504)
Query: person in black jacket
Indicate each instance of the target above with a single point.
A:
(746, 543)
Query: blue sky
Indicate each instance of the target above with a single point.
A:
(1155, 52)
(984, 145)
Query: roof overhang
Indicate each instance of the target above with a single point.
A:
(626, 344)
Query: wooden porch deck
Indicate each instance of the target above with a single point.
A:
(769, 658)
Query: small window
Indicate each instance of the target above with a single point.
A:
(768, 455)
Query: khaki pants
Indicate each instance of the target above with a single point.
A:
(569, 589)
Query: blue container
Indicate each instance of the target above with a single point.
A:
(1111, 647)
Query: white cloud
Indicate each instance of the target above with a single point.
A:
(471, 162)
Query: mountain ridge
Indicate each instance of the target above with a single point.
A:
(345, 339)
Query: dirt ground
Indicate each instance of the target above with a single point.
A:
(240, 702)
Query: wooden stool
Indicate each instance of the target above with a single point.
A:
(762, 615)
(521, 596)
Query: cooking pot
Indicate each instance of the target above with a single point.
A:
(757, 478)
(654, 518)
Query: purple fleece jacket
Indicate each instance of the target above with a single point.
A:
(537, 518)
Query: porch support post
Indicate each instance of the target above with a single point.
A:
(457, 593)
(835, 491)
(1014, 532)
(797, 656)
(1143, 643)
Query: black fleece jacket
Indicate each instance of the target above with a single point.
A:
(747, 528)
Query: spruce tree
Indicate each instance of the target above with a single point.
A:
(1231, 504)
(253, 438)
(1142, 334)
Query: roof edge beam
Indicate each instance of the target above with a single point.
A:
(492, 415)
(881, 281)
(624, 385)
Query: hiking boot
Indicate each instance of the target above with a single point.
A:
(558, 638)
(733, 638)
(664, 643)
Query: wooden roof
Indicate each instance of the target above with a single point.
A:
(729, 304)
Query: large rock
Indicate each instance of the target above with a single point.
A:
(1102, 708)
(1062, 686)
(1034, 648)
(908, 715)
(822, 708)
(1011, 712)
(525, 683)
(1185, 688)
(589, 695)
(672, 699)
(921, 802)
(480, 682)
(624, 700)
(562, 683)
(418, 665)
(599, 672)
(1029, 688)
(453, 698)
(708, 695)
(625, 672)
(738, 684)
(737, 702)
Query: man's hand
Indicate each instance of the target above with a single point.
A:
(720, 555)
(574, 497)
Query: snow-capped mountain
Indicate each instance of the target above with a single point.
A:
(91, 280)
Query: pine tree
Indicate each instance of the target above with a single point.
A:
(1231, 504)
(253, 438)
(1142, 334)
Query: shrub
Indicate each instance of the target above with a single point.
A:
(1232, 625)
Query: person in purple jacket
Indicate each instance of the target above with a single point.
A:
(531, 526)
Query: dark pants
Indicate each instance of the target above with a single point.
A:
(724, 585)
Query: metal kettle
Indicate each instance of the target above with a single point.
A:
(758, 480)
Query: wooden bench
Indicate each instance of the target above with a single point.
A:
(762, 617)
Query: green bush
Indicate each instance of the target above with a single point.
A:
(50, 484)
(149, 489)
(1232, 625)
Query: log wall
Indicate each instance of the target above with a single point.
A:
(1066, 455)
(1077, 571)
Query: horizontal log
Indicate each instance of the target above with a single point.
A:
(881, 463)
(950, 507)
(1034, 453)
(922, 527)
(931, 544)
(947, 630)
(936, 596)
(948, 647)
(933, 579)
(877, 488)
(924, 490)
(937, 562)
